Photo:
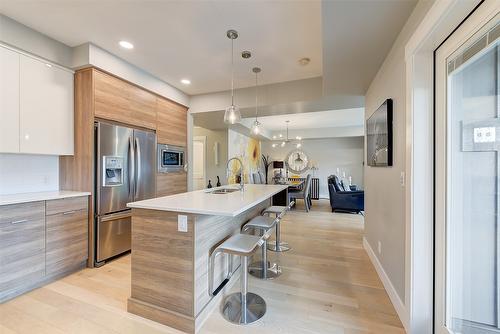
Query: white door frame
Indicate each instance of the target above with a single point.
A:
(442, 18)
(474, 24)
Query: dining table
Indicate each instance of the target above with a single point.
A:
(282, 198)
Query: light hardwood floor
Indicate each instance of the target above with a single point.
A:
(328, 286)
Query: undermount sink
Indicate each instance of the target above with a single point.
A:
(223, 191)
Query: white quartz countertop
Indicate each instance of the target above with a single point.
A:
(39, 196)
(206, 203)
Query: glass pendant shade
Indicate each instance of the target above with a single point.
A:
(232, 115)
(256, 127)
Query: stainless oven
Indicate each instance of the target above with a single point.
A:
(170, 158)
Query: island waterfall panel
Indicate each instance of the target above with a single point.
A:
(170, 268)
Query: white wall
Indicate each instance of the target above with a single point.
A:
(328, 154)
(213, 170)
(21, 173)
(384, 195)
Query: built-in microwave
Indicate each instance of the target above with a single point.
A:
(170, 158)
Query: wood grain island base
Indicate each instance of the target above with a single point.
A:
(170, 267)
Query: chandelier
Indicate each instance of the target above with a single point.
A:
(281, 141)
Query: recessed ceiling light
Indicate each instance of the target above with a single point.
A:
(186, 81)
(246, 54)
(304, 61)
(126, 45)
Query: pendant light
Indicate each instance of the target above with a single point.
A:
(256, 123)
(232, 114)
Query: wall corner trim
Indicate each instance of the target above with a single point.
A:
(389, 288)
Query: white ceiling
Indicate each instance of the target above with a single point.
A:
(313, 120)
(187, 39)
(356, 37)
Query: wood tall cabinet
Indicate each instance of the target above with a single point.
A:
(102, 96)
(171, 130)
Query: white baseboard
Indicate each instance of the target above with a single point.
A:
(399, 306)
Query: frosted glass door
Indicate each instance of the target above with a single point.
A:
(468, 237)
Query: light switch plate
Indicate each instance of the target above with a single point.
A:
(182, 223)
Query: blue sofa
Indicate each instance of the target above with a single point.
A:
(342, 199)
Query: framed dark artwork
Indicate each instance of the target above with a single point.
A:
(379, 136)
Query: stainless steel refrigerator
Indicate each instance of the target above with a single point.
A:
(125, 172)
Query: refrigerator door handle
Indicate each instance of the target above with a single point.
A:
(137, 166)
(131, 166)
(117, 215)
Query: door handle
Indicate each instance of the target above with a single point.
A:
(131, 167)
(19, 221)
(69, 212)
(137, 167)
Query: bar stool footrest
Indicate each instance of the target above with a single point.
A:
(273, 270)
(283, 246)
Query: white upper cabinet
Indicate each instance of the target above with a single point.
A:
(9, 101)
(46, 108)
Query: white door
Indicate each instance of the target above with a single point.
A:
(199, 162)
(467, 134)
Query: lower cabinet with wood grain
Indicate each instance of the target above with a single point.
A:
(67, 234)
(40, 242)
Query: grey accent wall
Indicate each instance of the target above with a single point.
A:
(29, 40)
(327, 154)
(384, 194)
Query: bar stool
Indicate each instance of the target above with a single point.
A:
(263, 269)
(240, 307)
(278, 245)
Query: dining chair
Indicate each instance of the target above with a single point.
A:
(303, 194)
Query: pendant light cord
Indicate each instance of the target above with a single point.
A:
(256, 96)
(232, 72)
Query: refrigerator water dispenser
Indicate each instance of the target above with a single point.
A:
(113, 171)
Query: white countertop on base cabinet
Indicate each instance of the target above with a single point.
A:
(39, 196)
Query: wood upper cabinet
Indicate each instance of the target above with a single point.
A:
(9, 101)
(123, 102)
(67, 234)
(46, 108)
(172, 123)
(22, 251)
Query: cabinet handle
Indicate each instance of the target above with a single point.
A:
(69, 212)
(19, 221)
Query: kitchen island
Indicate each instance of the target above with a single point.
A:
(172, 238)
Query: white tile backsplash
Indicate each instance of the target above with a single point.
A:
(21, 173)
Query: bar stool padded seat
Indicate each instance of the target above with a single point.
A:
(241, 244)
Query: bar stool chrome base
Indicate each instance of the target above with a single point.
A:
(282, 246)
(256, 270)
(234, 312)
